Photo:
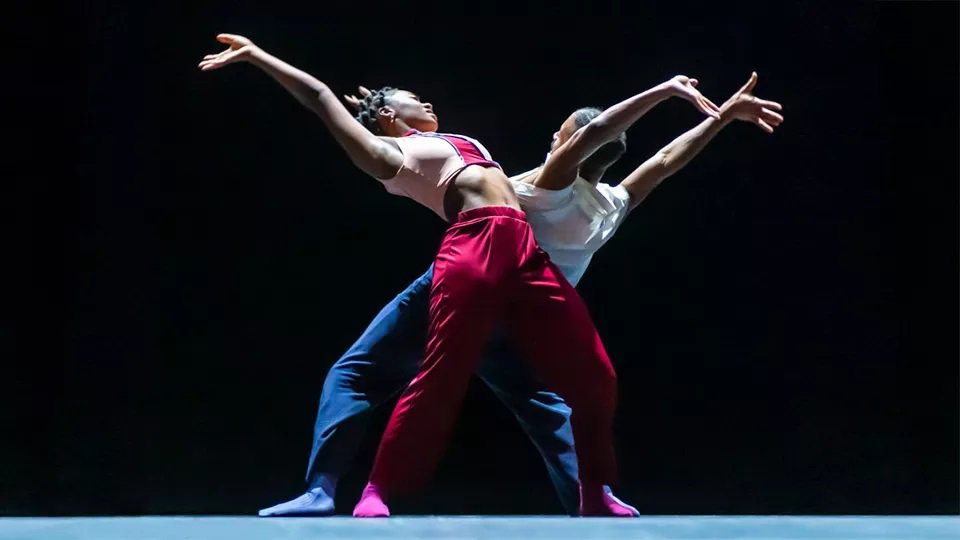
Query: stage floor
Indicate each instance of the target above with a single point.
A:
(492, 527)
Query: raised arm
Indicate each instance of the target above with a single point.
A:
(743, 105)
(561, 169)
(371, 154)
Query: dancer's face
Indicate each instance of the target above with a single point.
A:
(407, 106)
(562, 135)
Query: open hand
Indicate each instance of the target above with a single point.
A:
(239, 50)
(747, 107)
(353, 100)
(685, 87)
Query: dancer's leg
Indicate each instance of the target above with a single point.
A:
(543, 415)
(554, 331)
(376, 367)
(474, 261)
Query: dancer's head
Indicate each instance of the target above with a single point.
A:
(391, 112)
(608, 154)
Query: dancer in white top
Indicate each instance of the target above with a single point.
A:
(571, 223)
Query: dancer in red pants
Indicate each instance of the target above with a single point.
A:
(488, 270)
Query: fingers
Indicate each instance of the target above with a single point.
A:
(216, 61)
(714, 111)
(217, 55)
(764, 126)
(770, 117)
(748, 87)
(213, 64)
(707, 108)
(238, 46)
(353, 101)
(772, 105)
(712, 104)
(209, 60)
(699, 100)
(711, 107)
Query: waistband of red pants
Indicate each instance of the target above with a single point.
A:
(490, 211)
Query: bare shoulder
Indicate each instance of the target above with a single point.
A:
(389, 157)
(390, 141)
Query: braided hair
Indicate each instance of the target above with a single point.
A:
(370, 106)
(604, 156)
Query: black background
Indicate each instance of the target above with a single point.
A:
(782, 313)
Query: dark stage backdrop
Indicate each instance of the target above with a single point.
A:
(782, 313)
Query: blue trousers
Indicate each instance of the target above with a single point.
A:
(383, 361)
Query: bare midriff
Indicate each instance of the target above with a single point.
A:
(477, 186)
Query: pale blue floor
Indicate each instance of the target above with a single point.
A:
(494, 527)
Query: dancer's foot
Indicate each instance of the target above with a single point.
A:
(608, 491)
(597, 501)
(371, 504)
(312, 503)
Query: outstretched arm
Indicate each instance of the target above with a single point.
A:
(374, 156)
(743, 105)
(561, 169)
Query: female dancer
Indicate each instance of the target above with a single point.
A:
(488, 270)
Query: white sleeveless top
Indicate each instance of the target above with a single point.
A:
(571, 224)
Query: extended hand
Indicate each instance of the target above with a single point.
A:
(685, 87)
(239, 50)
(747, 107)
(353, 100)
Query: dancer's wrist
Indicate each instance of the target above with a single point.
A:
(256, 56)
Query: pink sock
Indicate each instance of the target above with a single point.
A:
(371, 503)
(594, 501)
